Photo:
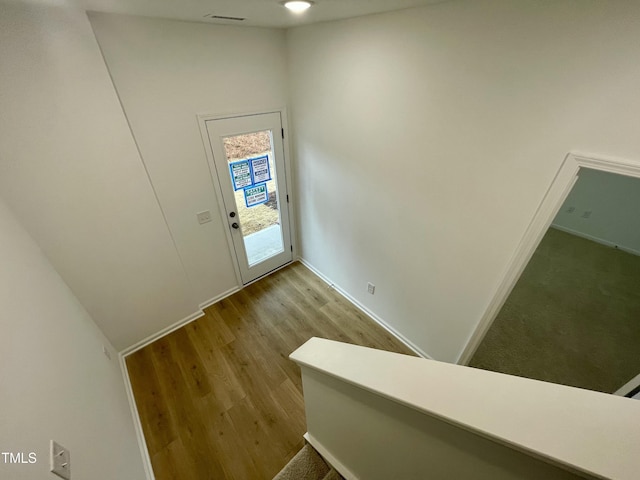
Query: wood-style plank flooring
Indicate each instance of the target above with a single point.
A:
(219, 398)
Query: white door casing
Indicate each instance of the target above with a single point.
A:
(560, 188)
(214, 131)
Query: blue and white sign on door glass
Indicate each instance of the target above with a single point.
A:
(260, 169)
(240, 174)
(256, 195)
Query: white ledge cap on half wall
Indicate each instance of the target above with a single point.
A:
(590, 432)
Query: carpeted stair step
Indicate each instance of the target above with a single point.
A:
(307, 465)
(333, 475)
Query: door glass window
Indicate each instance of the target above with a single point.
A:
(253, 176)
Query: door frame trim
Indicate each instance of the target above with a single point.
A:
(551, 203)
(202, 119)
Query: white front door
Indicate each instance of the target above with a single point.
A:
(249, 164)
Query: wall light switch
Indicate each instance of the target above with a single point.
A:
(204, 217)
(60, 461)
(371, 288)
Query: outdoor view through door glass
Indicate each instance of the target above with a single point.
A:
(250, 156)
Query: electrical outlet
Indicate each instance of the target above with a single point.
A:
(371, 288)
(60, 461)
(204, 217)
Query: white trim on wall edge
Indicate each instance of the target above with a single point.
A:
(330, 458)
(601, 241)
(417, 350)
(548, 208)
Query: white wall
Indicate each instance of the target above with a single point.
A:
(613, 201)
(56, 382)
(166, 72)
(426, 138)
(70, 171)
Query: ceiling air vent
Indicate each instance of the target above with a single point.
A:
(223, 17)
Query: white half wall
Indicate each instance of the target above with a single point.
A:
(166, 72)
(603, 206)
(381, 415)
(70, 171)
(56, 382)
(425, 140)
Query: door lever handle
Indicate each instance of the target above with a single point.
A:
(235, 225)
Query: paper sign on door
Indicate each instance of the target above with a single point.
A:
(260, 169)
(256, 195)
(240, 174)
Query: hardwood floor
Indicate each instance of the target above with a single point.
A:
(219, 398)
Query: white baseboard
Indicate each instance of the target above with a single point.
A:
(146, 460)
(137, 426)
(330, 458)
(165, 331)
(179, 324)
(601, 241)
(217, 298)
(629, 387)
(417, 350)
(171, 328)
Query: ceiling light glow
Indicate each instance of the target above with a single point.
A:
(297, 6)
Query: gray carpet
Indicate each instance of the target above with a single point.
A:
(573, 317)
(307, 465)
